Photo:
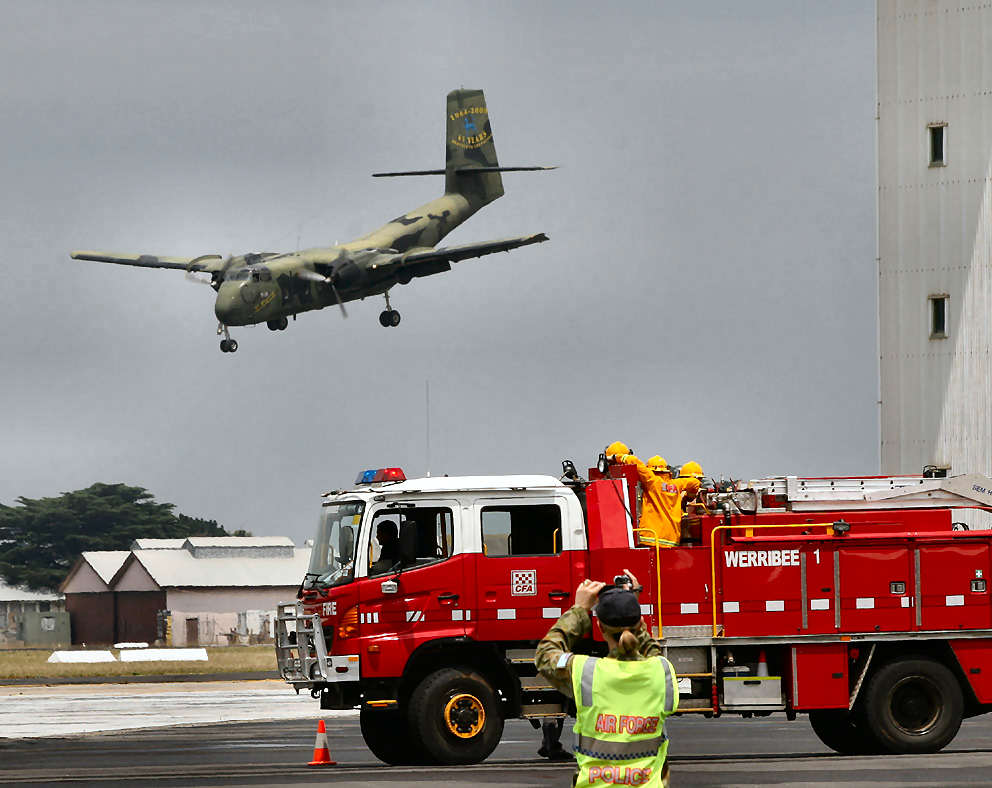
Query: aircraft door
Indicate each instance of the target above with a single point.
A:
(412, 587)
(523, 575)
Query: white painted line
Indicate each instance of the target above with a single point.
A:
(506, 613)
(687, 608)
(819, 604)
(774, 605)
(865, 603)
(731, 607)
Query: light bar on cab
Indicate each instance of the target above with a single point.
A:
(374, 475)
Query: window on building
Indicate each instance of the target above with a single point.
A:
(938, 144)
(533, 529)
(938, 316)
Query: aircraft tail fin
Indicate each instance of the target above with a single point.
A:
(469, 145)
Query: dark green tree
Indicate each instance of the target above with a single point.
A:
(41, 538)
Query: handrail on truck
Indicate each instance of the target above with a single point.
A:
(657, 570)
(748, 529)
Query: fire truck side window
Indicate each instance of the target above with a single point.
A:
(521, 530)
(427, 531)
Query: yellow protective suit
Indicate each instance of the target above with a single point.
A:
(661, 503)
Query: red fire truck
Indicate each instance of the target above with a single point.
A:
(862, 602)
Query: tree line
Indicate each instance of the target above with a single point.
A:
(41, 538)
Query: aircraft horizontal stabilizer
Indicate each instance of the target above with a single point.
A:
(150, 260)
(461, 171)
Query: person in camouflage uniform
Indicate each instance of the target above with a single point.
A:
(553, 656)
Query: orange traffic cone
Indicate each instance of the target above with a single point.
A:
(762, 663)
(321, 755)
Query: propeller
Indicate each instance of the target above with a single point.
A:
(313, 276)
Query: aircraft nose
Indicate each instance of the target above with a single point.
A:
(228, 305)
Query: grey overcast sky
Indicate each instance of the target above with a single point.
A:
(708, 292)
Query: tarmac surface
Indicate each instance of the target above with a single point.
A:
(723, 752)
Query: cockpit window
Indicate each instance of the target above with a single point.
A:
(239, 275)
(332, 562)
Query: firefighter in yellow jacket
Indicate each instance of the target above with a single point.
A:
(621, 700)
(661, 503)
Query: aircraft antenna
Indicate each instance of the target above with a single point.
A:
(427, 387)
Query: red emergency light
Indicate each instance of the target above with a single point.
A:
(374, 475)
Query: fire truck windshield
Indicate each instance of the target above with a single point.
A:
(332, 562)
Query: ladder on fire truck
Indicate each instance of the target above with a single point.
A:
(797, 493)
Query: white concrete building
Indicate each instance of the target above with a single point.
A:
(216, 590)
(935, 234)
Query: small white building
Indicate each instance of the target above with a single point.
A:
(212, 590)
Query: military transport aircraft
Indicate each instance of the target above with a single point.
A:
(270, 287)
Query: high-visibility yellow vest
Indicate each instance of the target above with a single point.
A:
(621, 708)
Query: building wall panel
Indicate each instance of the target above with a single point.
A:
(934, 234)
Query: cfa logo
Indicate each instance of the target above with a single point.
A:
(329, 609)
(523, 582)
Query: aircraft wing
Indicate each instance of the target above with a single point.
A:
(432, 260)
(206, 262)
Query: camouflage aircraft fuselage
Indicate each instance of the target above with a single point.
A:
(260, 290)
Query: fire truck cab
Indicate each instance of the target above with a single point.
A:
(853, 600)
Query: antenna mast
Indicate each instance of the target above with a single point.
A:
(427, 386)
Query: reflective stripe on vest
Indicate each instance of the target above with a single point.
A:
(588, 670)
(671, 688)
(619, 750)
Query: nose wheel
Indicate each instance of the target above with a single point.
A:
(389, 317)
(227, 345)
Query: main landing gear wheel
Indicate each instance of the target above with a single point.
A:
(228, 345)
(455, 715)
(279, 324)
(389, 318)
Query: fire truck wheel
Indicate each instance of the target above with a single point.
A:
(914, 705)
(388, 737)
(456, 715)
(843, 732)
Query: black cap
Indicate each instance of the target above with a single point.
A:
(618, 608)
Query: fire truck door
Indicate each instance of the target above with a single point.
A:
(413, 586)
(874, 586)
(523, 575)
(819, 600)
(952, 586)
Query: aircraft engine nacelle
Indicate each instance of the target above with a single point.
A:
(348, 276)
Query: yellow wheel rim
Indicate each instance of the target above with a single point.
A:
(465, 716)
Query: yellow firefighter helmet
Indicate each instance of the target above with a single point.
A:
(616, 449)
(658, 464)
(692, 468)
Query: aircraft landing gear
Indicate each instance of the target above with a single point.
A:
(227, 345)
(279, 324)
(389, 318)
